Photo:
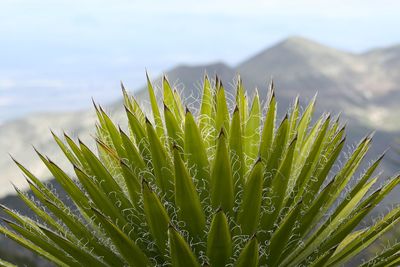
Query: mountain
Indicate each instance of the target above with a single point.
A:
(357, 84)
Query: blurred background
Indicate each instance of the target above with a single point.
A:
(55, 55)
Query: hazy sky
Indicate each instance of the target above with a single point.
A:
(56, 54)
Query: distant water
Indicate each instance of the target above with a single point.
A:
(18, 99)
(35, 99)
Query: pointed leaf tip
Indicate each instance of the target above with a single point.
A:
(259, 160)
(6, 220)
(165, 107)
(221, 133)
(145, 183)
(147, 120)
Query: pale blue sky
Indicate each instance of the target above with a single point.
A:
(56, 54)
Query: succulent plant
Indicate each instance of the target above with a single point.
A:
(225, 185)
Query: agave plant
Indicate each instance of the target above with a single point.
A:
(225, 185)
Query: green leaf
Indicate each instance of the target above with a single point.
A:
(104, 179)
(156, 217)
(279, 187)
(219, 243)
(114, 135)
(222, 114)
(278, 148)
(349, 238)
(132, 183)
(83, 257)
(131, 104)
(33, 179)
(67, 152)
(101, 173)
(303, 181)
(30, 230)
(332, 223)
(281, 236)
(4, 263)
(236, 151)
(67, 183)
(139, 133)
(252, 131)
(206, 113)
(293, 119)
(344, 231)
(272, 165)
(241, 102)
(161, 162)
(367, 237)
(321, 261)
(136, 162)
(249, 255)
(99, 198)
(249, 211)
(382, 192)
(45, 252)
(170, 101)
(321, 172)
(345, 174)
(196, 155)
(311, 215)
(304, 123)
(179, 103)
(389, 257)
(39, 211)
(82, 233)
(174, 131)
(131, 253)
(154, 106)
(360, 186)
(221, 177)
(186, 198)
(267, 136)
(181, 254)
(206, 101)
